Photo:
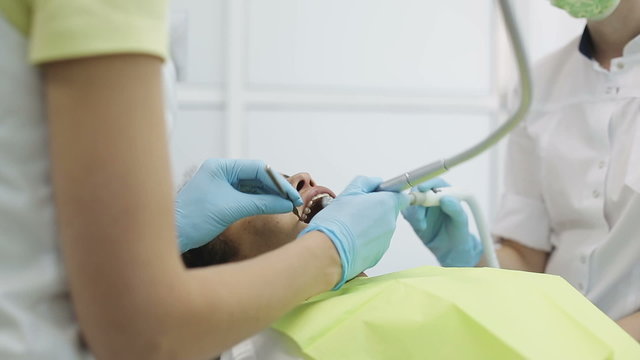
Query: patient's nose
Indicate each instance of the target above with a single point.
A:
(301, 181)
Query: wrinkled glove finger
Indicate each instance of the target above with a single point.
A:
(254, 172)
(361, 185)
(403, 201)
(436, 220)
(244, 169)
(262, 204)
(453, 208)
(416, 216)
(291, 192)
(433, 183)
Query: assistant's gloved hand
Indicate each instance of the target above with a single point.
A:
(444, 229)
(360, 224)
(223, 191)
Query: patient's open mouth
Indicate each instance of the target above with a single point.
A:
(317, 203)
(315, 200)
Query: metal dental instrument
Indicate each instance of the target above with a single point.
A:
(272, 176)
(424, 173)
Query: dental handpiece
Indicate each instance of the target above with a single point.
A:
(432, 198)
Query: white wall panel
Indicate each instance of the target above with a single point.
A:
(335, 147)
(196, 136)
(424, 46)
(205, 43)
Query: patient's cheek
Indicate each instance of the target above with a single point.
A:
(258, 234)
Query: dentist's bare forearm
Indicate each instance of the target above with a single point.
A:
(111, 176)
(631, 324)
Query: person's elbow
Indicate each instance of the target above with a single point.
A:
(156, 329)
(515, 256)
(141, 339)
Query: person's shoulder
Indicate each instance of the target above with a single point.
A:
(558, 58)
(557, 74)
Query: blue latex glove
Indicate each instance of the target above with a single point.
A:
(360, 224)
(223, 191)
(444, 229)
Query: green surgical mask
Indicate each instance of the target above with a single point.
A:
(589, 9)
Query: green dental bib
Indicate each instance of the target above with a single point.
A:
(456, 313)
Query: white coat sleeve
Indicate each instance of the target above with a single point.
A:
(522, 215)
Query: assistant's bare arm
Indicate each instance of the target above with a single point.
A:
(111, 177)
(631, 324)
(515, 256)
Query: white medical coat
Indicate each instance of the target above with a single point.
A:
(573, 175)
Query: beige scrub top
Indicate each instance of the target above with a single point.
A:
(36, 317)
(572, 185)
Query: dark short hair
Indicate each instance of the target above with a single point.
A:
(217, 251)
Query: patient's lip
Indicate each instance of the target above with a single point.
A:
(314, 191)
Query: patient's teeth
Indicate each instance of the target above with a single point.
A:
(307, 210)
(319, 196)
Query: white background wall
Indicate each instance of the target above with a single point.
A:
(339, 88)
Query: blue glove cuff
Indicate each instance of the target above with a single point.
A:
(468, 258)
(477, 251)
(342, 252)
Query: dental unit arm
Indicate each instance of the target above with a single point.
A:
(429, 171)
(432, 198)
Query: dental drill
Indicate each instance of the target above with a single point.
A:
(432, 198)
(424, 173)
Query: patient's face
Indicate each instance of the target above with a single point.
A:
(256, 235)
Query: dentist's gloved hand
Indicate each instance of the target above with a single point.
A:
(444, 229)
(360, 224)
(223, 191)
